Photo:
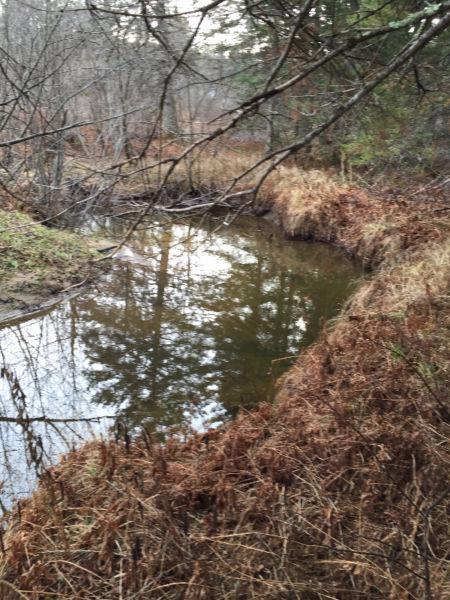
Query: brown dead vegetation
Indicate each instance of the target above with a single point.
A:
(339, 490)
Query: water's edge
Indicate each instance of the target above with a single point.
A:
(46, 303)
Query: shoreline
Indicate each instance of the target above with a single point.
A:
(348, 464)
(46, 299)
(41, 267)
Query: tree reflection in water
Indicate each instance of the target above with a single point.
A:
(183, 330)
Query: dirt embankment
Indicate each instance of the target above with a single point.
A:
(37, 264)
(339, 490)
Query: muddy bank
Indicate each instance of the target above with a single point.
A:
(338, 490)
(40, 266)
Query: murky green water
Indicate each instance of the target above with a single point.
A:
(190, 325)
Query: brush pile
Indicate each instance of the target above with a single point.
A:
(339, 490)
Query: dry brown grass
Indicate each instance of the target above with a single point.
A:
(338, 491)
(202, 172)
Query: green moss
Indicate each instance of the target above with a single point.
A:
(36, 261)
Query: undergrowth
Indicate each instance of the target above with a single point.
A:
(337, 491)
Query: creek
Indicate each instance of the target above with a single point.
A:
(192, 323)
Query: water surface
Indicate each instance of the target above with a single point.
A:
(190, 325)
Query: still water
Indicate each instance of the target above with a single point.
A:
(191, 324)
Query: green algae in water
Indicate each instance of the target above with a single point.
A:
(189, 326)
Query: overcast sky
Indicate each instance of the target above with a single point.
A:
(208, 24)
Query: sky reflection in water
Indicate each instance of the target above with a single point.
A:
(184, 329)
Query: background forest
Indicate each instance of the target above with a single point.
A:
(91, 93)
